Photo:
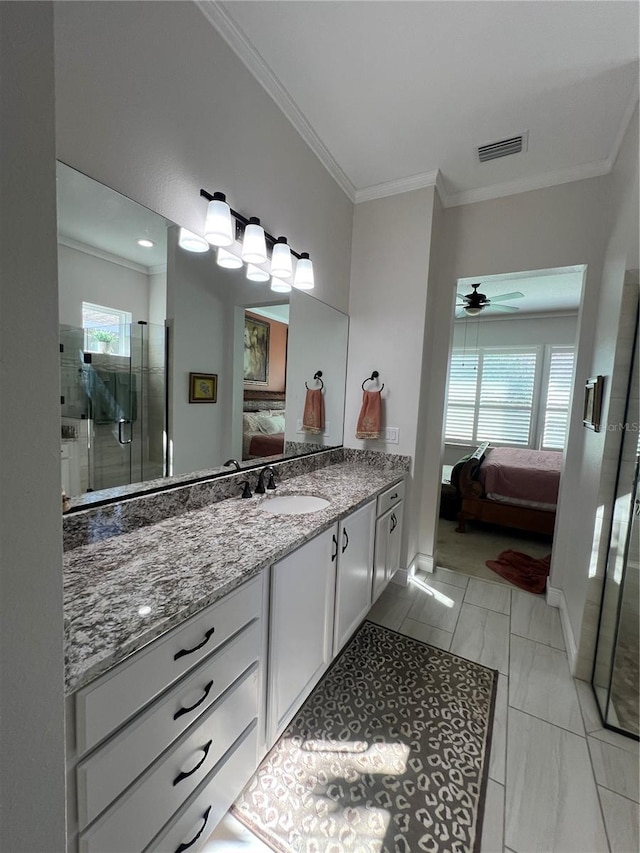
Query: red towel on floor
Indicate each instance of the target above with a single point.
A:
(370, 420)
(523, 571)
(313, 417)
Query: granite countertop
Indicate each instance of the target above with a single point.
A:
(125, 591)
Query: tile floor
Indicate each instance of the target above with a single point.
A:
(558, 781)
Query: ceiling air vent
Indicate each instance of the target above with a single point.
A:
(503, 148)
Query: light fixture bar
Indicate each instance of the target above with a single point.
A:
(244, 221)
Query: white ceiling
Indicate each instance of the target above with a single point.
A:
(555, 291)
(96, 216)
(392, 94)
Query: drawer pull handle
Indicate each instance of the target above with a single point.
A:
(189, 844)
(393, 497)
(199, 702)
(181, 776)
(184, 652)
(335, 553)
(345, 540)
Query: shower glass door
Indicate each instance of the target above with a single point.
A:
(113, 404)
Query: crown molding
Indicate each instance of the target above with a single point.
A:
(535, 182)
(220, 19)
(534, 315)
(70, 243)
(632, 103)
(401, 185)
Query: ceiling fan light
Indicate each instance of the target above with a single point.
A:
(254, 273)
(281, 259)
(227, 260)
(218, 227)
(279, 286)
(254, 246)
(304, 273)
(472, 312)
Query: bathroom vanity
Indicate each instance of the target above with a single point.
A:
(192, 642)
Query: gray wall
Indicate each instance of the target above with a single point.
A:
(172, 109)
(32, 813)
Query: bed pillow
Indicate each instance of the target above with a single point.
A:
(250, 422)
(270, 424)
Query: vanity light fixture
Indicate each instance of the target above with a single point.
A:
(227, 260)
(254, 273)
(281, 259)
(146, 244)
(257, 245)
(218, 229)
(192, 242)
(303, 279)
(279, 286)
(254, 245)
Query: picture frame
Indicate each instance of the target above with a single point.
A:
(203, 387)
(593, 403)
(256, 351)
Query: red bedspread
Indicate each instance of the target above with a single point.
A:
(267, 445)
(530, 475)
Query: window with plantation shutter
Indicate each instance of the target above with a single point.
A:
(558, 397)
(491, 396)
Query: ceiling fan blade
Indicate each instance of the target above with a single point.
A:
(460, 314)
(493, 307)
(505, 297)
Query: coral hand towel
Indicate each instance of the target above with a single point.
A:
(370, 420)
(313, 417)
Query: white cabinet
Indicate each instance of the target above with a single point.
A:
(152, 735)
(354, 572)
(300, 626)
(388, 537)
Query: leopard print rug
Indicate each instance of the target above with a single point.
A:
(389, 754)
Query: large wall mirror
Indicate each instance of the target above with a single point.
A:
(171, 365)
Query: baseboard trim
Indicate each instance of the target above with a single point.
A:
(425, 562)
(555, 598)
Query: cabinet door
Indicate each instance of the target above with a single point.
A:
(355, 572)
(300, 626)
(380, 560)
(394, 540)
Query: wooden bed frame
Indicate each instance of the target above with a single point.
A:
(476, 507)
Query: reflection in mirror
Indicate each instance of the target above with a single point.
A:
(138, 315)
(616, 678)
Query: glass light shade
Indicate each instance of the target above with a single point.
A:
(281, 259)
(279, 286)
(218, 228)
(304, 273)
(146, 244)
(254, 273)
(254, 246)
(191, 242)
(472, 312)
(227, 259)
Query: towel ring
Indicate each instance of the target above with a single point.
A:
(317, 375)
(371, 378)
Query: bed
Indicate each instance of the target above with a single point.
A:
(508, 486)
(262, 428)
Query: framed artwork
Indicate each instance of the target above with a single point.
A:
(203, 387)
(256, 351)
(593, 403)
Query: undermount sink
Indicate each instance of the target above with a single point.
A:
(293, 504)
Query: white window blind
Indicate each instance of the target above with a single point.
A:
(558, 397)
(491, 396)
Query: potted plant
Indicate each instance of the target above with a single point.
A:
(104, 339)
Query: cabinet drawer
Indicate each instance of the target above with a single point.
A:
(102, 776)
(111, 700)
(390, 497)
(193, 824)
(137, 817)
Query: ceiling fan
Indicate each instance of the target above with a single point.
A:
(474, 303)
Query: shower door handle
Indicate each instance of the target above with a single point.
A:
(120, 438)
